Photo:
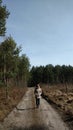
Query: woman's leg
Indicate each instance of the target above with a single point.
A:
(37, 102)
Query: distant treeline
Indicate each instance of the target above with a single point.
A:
(50, 74)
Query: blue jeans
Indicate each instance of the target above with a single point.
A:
(37, 102)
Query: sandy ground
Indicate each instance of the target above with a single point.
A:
(27, 117)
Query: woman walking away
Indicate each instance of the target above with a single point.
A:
(37, 92)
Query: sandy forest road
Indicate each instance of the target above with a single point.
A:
(26, 117)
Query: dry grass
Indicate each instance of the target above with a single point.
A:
(6, 105)
(62, 98)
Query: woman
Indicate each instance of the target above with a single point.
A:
(37, 92)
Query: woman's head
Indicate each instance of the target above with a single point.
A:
(38, 85)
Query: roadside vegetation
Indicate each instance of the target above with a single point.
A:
(62, 100)
(14, 74)
(7, 105)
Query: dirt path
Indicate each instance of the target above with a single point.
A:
(26, 117)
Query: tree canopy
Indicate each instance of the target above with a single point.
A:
(12, 65)
(4, 13)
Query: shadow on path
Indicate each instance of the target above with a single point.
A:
(31, 128)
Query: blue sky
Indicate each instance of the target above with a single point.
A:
(44, 29)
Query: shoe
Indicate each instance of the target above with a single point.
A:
(37, 106)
